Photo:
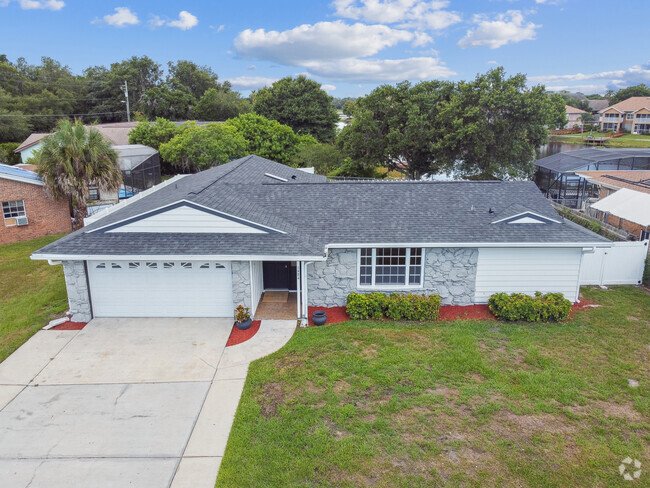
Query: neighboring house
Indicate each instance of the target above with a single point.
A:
(631, 115)
(140, 167)
(596, 106)
(626, 209)
(27, 211)
(608, 183)
(198, 245)
(557, 175)
(116, 133)
(573, 117)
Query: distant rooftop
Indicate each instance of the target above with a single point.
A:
(13, 173)
(631, 104)
(633, 180)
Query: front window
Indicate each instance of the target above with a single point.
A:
(390, 267)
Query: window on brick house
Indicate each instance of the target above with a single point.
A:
(14, 213)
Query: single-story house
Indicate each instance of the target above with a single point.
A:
(626, 209)
(27, 211)
(117, 133)
(198, 245)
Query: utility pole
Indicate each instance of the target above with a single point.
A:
(125, 89)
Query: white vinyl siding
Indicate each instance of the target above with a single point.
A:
(527, 270)
(160, 288)
(187, 220)
(257, 284)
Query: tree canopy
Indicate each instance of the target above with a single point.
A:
(299, 103)
(34, 97)
(268, 138)
(640, 90)
(72, 160)
(485, 128)
(197, 148)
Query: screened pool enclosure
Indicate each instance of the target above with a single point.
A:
(556, 175)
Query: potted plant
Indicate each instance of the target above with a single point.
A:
(243, 317)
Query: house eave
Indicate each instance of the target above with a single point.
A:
(172, 257)
(22, 180)
(586, 244)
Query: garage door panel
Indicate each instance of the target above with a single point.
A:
(160, 289)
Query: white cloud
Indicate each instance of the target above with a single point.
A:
(328, 88)
(185, 21)
(409, 13)
(614, 79)
(321, 41)
(492, 62)
(218, 28)
(156, 21)
(379, 70)
(37, 4)
(506, 28)
(251, 82)
(122, 16)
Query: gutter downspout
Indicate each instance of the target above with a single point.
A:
(584, 251)
(305, 295)
(298, 289)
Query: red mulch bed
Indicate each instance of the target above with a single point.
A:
(335, 315)
(238, 336)
(70, 326)
(465, 312)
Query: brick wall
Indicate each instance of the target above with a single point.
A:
(46, 216)
(631, 227)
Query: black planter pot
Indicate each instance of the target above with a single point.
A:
(319, 317)
(246, 324)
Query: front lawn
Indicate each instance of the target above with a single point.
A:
(31, 293)
(451, 404)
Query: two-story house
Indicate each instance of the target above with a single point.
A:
(631, 115)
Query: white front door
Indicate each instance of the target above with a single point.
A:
(160, 288)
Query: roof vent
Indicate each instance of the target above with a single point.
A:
(472, 209)
(293, 177)
(279, 178)
(491, 211)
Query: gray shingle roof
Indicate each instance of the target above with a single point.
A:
(312, 213)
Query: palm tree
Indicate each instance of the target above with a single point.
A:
(73, 159)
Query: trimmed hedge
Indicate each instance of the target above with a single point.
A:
(646, 272)
(551, 307)
(397, 306)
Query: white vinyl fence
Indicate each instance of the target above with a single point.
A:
(621, 264)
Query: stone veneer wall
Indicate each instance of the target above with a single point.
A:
(449, 272)
(241, 284)
(77, 287)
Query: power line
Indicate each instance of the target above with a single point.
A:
(57, 115)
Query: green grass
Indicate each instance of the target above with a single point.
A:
(450, 404)
(33, 292)
(627, 140)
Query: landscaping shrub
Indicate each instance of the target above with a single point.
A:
(646, 272)
(366, 306)
(413, 307)
(396, 306)
(551, 307)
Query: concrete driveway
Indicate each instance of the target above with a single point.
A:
(116, 404)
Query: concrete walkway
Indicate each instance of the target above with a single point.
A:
(137, 402)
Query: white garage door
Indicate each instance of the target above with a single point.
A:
(527, 271)
(160, 289)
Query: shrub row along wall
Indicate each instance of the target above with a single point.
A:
(551, 307)
(396, 306)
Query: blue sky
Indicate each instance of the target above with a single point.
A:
(350, 46)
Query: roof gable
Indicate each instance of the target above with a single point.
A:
(526, 217)
(185, 217)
